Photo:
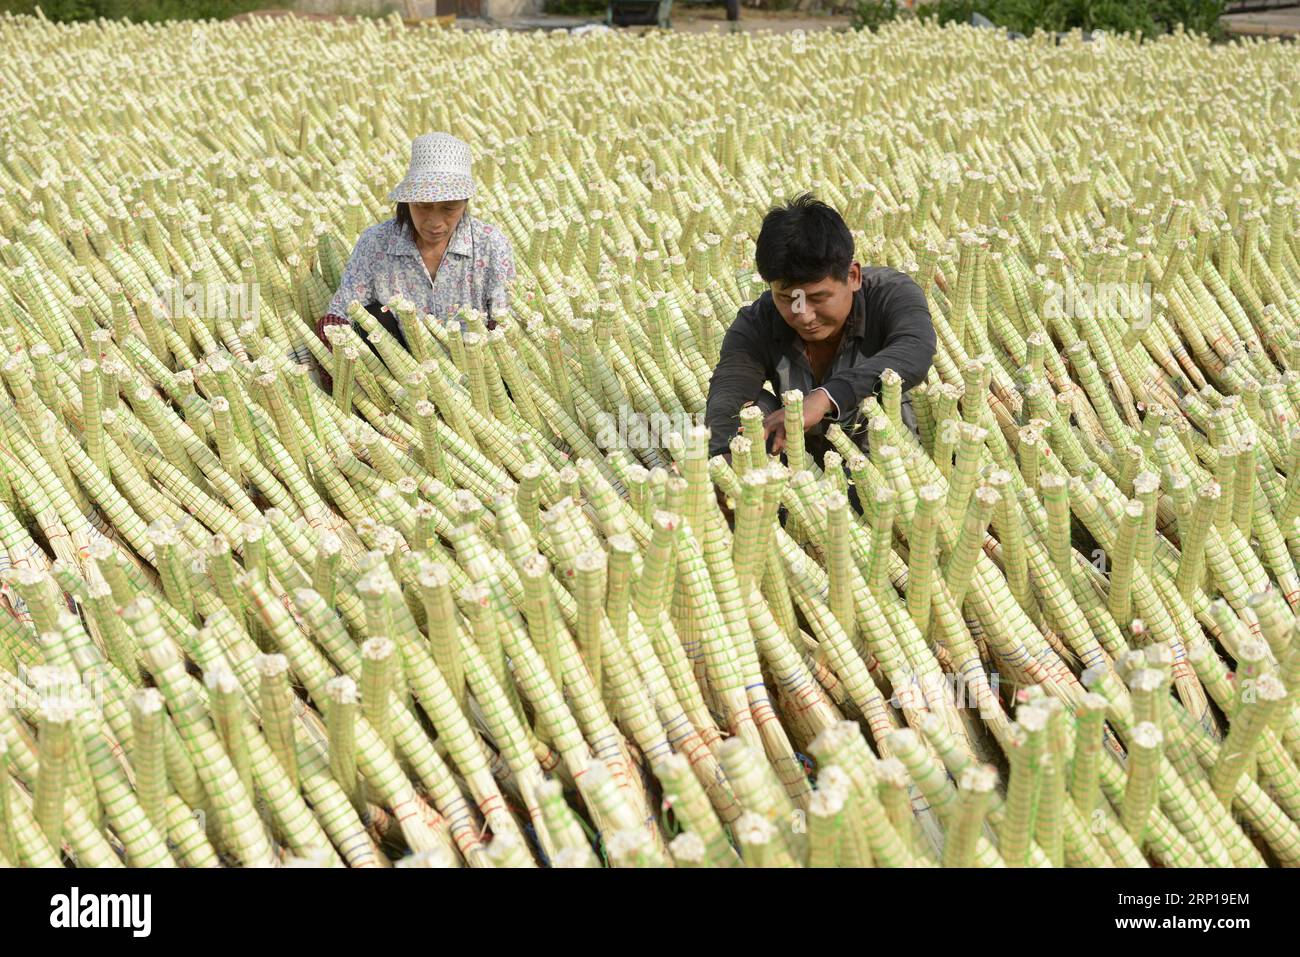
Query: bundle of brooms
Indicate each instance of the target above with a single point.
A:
(448, 614)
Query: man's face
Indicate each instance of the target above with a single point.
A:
(817, 311)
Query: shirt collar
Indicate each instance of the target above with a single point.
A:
(856, 325)
(400, 242)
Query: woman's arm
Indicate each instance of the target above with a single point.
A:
(354, 284)
(499, 262)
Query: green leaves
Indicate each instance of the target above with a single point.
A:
(1146, 17)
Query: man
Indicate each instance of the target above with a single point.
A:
(826, 326)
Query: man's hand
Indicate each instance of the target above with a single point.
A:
(815, 407)
(774, 432)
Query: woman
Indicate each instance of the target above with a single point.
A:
(432, 252)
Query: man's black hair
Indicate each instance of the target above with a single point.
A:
(803, 241)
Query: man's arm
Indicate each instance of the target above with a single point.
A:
(908, 347)
(737, 379)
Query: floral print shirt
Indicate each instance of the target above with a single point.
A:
(386, 264)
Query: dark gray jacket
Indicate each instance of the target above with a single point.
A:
(889, 327)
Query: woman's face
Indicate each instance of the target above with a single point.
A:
(435, 222)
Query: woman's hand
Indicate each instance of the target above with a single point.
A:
(324, 323)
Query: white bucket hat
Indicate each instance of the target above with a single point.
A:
(440, 171)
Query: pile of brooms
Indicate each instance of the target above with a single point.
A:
(446, 613)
